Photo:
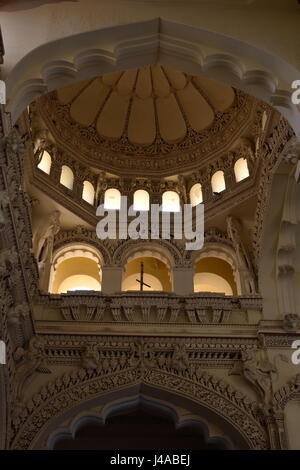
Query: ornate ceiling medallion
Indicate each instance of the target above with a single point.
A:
(152, 119)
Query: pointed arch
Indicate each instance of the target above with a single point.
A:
(93, 387)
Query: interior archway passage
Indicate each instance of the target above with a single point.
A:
(139, 429)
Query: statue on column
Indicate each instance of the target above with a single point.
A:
(101, 187)
(244, 264)
(44, 245)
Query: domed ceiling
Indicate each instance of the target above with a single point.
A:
(146, 102)
(150, 118)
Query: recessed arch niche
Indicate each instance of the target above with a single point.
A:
(213, 274)
(75, 267)
(179, 409)
(157, 272)
(139, 423)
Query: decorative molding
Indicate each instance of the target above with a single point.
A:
(138, 364)
(159, 158)
(288, 392)
(131, 307)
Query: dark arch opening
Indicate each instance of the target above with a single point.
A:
(140, 428)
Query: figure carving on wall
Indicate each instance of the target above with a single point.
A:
(46, 239)
(90, 358)
(244, 264)
(180, 358)
(291, 322)
(30, 361)
(258, 372)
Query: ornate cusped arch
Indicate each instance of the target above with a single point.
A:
(93, 53)
(145, 401)
(81, 385)
(290, 391)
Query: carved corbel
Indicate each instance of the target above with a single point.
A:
(257, 369)
(291, 322)
(90, 358)
(31, 361)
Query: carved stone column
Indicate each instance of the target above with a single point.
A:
(273, 432)
(281, 430)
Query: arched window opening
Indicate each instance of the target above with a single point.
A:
(45, 162)
(141, 200)
(149, 425)
(156, 275)
(88, 192)
(214, 275)
(112, 199)
(241, 170)
(75, 267)
(67, 177)
(196, 195)
(218, 182)
(170, 202)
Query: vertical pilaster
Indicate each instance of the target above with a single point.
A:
(183, 280)
(111, 279)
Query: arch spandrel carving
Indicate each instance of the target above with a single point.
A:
(85, 384)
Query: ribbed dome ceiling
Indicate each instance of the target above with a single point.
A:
(146, 103)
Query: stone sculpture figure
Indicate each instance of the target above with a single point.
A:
(45, 241)
(244, 264)
(258, 372)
